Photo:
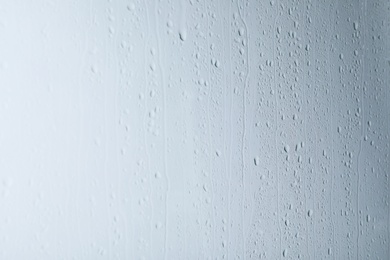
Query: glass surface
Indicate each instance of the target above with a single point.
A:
(189, 129)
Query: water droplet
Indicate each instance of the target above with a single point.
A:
(355, 25)
(131, 7)
(241, 31)
(257, 161)
(183, 35)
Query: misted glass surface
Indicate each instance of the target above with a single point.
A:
(194, 129)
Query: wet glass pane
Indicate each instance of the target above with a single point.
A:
(194, 129)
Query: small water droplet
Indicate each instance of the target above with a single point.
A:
(355, 25)
(257, 161)
(183, 35)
